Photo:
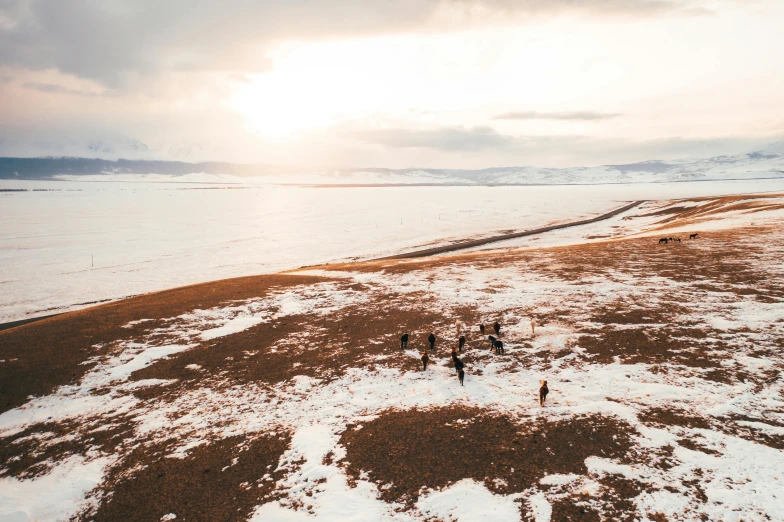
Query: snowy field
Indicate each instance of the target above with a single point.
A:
(67, 244)
(663, 361)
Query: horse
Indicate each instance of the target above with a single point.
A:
(543, 391)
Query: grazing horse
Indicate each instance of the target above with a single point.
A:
(432, 340)
(482, 329)
(461, 342)
(663, 240)
(404, 341)
(425, 358)
(497, 328)
(492, 341)
(499, 347)
(459, 364)
(693, 236)
(461, 376)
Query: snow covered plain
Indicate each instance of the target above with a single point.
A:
(664, 364)
(68, 244)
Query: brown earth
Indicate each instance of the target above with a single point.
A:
(415, 450)
(224, 480)
(43, 355)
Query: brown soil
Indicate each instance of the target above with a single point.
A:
(272, 352)
(409, 451)
(43, 355)
(35, 450)
(220, 481)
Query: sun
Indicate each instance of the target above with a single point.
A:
(281, 105)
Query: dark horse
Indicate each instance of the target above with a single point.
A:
(693, 236)
(663, 240)
(404, 341)
(461, 342)
(432, 340)
(499, 347)
(492, 341)
(497, 328)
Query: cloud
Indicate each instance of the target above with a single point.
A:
(115, 41)
(58, 89)
(591, 7)
(565, 116)
(446, 138)
(446, 147)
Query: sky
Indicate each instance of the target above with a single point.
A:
(410, 83)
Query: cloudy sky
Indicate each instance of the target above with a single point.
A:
(427, 83)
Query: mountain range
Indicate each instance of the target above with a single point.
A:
(767, 162)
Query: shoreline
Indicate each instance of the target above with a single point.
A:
(462, 245)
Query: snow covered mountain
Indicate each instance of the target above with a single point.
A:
(764, 163)
(767, 162)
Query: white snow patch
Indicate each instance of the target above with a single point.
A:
(540, 507)
(238, 324)
(53, 497)
(558, 480)
(469, 501)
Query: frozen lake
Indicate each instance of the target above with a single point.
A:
(68, 243)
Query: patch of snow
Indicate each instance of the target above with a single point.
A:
(54, 497)
(470, 501)
(540, 507)
(238, 324)
(558, 480)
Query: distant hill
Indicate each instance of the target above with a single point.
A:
(48, 168)
(767, 162)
